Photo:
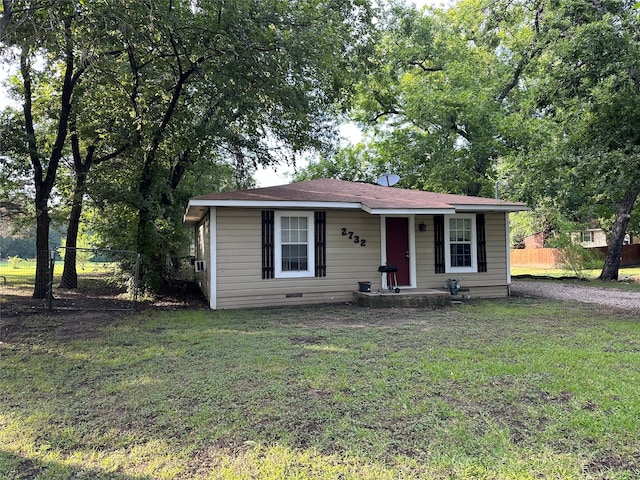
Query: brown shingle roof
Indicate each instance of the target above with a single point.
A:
(372, 198)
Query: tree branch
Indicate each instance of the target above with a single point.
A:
(110, 156)
(531, 52)
(384, 113)
(460, 130)
(68, 85)
(25, 70)
(7, 14)
(421, 66)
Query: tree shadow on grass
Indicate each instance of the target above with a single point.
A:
(14, 466)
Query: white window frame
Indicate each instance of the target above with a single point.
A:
(310, 272)
(474, 245)
(590, 238)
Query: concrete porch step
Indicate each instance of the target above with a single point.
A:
(412, 298)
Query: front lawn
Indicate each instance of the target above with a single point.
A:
(511, 389)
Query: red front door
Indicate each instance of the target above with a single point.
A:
(398, 247)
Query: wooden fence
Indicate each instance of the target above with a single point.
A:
(548, 257)
(630, 255)
(534, 257)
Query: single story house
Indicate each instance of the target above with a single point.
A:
(596, 237)
(314, 241)
(590, 238)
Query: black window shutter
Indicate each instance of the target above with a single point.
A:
(268, 239)
(482, 243)
(438, 238)
(321, 244)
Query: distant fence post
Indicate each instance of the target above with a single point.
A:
(106, 274)
(136, 278)
(52, 264)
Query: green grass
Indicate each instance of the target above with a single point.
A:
(25, 274)
(512, 389)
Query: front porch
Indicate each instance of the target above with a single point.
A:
(410, 297)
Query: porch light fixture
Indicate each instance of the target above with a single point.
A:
(422, 227)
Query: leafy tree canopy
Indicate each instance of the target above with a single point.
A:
(160, 87)
(435, 108)
(585, 105)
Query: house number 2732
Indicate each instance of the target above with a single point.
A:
(356, 239)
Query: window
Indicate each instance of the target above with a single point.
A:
(587, 237)
(294, 239)
(290, 263)
(460, 240)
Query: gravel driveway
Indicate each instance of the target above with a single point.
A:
(562, 291)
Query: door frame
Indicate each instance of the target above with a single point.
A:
(412, 247)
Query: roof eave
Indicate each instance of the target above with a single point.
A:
(197, 208)
(409, 211)
(271, 204)
(491, 208)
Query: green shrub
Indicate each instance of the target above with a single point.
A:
(14, 262)
(577, 259)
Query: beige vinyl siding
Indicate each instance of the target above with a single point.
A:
(203, 252)
(238, 273)
(489, 292)
(491, 283)
(239, 261)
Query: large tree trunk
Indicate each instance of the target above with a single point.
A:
(70, 273)
(44, 183)
(152, 271)
(147, 238)
(614, 252)
(42, 247)
(82, 169)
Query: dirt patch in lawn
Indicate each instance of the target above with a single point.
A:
(78, 314)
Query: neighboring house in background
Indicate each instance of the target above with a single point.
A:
(596, 237)
(590, 238)
(314, 241)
